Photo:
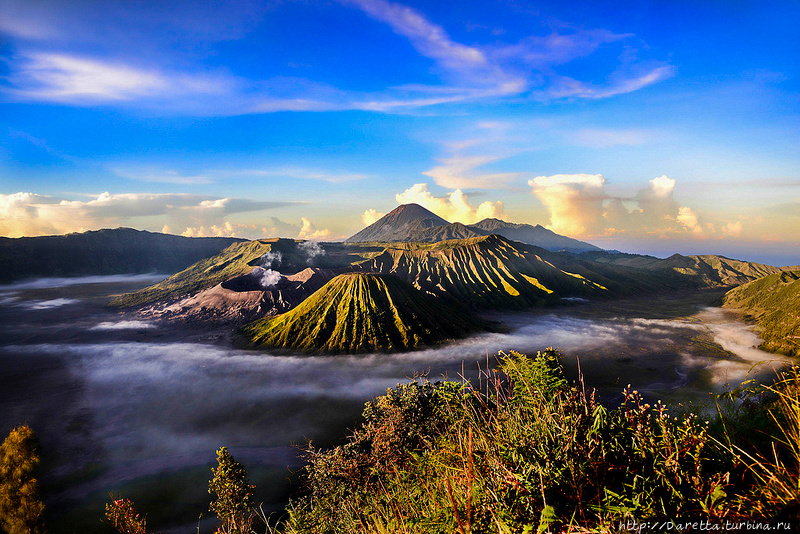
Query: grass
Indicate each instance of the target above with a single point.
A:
(774, 303)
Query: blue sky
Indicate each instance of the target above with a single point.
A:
(654, 127)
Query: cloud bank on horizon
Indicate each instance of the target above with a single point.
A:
(636, 129)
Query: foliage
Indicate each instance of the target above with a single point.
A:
(529, 453)
(233, 494)
(123, 516)
(20, 508)
(775, 494)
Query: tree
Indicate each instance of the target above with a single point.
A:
(234, 495)
(20, 507)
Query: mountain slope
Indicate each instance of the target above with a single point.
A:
(243, 298)
(774, 303)
(236, 260)
(99, 252)
(412, 222)
(483, 272)
(533, 235)
(361, 312)
(708, 270)
(398, 224)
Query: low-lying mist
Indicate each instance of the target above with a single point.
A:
(116, 399)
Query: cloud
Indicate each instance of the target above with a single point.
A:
(79, 80)
(575, 201)
(371, 216)
(167, 76)
(306, 174)
(733, 229)
(455, 207)
(566, 87)
(30, 214)
(309, 231)
(156, 175)
(579, 205)
(464, 171)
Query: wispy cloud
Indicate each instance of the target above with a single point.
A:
(307, 174)
(46, 69)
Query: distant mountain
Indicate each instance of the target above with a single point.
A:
(398, 224)
(363, 312)
(483, 272)
(99, 252)
(534, 235)
(774, 303)
(411, 222)
(709, 270)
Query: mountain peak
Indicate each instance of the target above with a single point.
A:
(411, 212)
(398, 224)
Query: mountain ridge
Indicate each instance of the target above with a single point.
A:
(412, 222)
(101, 252)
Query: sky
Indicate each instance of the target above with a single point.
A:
(650, 126)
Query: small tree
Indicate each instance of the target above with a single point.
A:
(123, 516)
(20, 508)
(234, 495)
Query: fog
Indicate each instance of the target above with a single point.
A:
(124, 404)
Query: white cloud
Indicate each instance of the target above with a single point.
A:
(461, 171)
(467, 72)
(64, 78)
(579, 205)
(428, 38)
(575, 201)
(371, 216)
(309, 231)
(29, 214)
(566, 87)
(455, 207)
(733, 229)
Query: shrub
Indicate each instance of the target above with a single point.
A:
(530, 453)
(123, 516)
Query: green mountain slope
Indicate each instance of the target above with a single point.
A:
(774, 303)
(361, 312)
(483, 272)
(100, 252)
(236, 260)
